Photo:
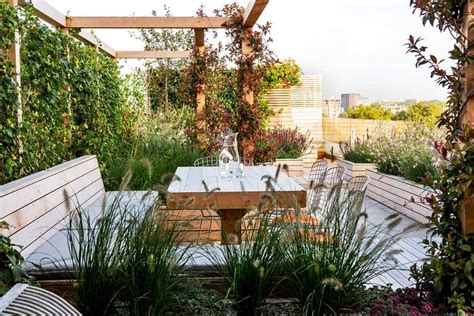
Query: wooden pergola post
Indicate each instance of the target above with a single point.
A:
(252, 13)
(247, 91)
(247, 52)
(201, 93)
(467, 212)
(14, 57)
(468, 117)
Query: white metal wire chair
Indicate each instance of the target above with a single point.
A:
(333, 176)
(213, 161)
(317, 172)
(324, 192)
(209, 161)
(24, 299)
(342, 201)
(357, 183)
(315, 190)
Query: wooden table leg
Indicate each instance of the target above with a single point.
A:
(231, 225)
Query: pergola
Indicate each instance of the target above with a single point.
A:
(199, 24)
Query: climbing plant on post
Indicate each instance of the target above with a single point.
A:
(10, 105)
(450, 272)
(248, 49)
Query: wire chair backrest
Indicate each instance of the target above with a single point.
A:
(210, 161)
(357, 183)
(24, 299)
(331, 200)
(213, 161)
(317, 172)
(333, 176)
(314, 196)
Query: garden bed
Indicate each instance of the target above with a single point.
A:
(406, 197)
(354, 169)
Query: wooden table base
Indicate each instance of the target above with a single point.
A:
(231, 220)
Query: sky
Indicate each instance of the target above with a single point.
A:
(357, 46)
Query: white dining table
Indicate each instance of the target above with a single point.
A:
(232, 198)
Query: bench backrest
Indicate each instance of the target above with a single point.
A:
(37, 206)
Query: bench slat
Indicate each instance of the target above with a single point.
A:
(37, 207)
(39, 231)
(40, 207)
(20, 198)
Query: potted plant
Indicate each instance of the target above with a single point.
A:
(356, 158)
(405, 164)
(289, 147)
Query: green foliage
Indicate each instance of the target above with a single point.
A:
(250, 269)
(9, 152)
(282, 74)
(328, 264)
(369, 112)
(281, 143)
(400, 116)
(154, 151)
(234, 97)
(11, 271)
(358, 152)
(131, 260)
(134, 90)
(424, 112)
(418, 165)
(409, 154)
(193, 298)
(70, 95)
(449, 273)
(163, 75)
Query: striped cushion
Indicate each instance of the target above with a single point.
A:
(24, 299)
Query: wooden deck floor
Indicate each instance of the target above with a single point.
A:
(399, 276)
(413, 251)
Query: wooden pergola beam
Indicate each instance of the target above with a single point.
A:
(90, 39)
(253, 12)
(46, 13)
(153, 54)
(135, 22)
(50, 15)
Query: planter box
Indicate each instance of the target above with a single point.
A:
(404, 196)
(354, 169)
(295, 166)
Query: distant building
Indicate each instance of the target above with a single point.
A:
(309, 92)
(394, 107)
(331, 107)
(363, 100)
(349, 100)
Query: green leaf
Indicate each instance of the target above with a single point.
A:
(465, 248)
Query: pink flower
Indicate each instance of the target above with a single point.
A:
(414, 311)
(427, 309)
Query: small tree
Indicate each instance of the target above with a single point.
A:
(163, 74)
(369, 112)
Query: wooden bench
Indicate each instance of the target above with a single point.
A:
(37, 206)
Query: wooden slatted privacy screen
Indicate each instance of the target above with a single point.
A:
(38, 205)
(341, 129)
